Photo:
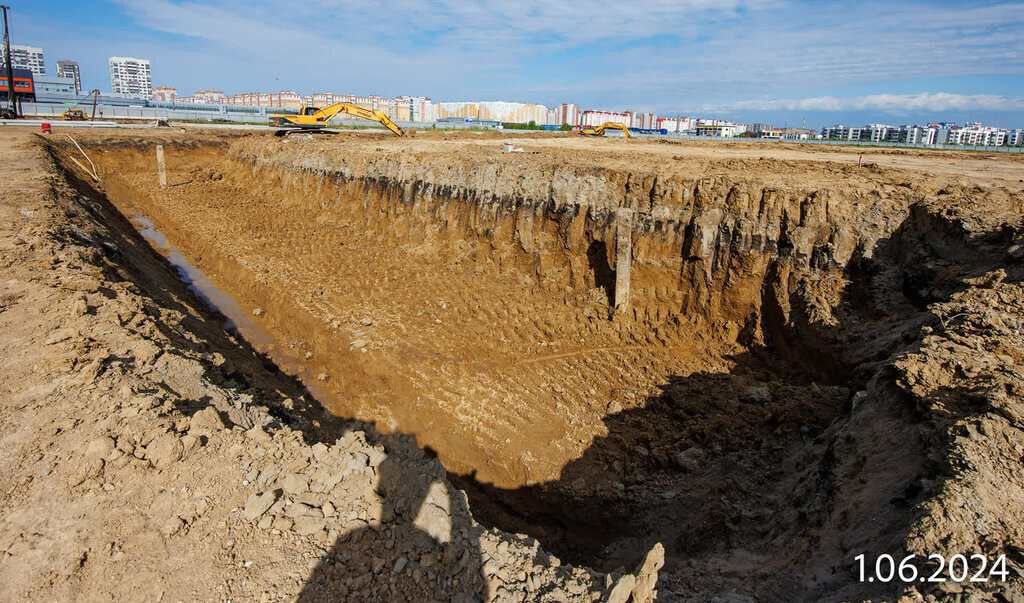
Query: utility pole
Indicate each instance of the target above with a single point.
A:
(13, 108)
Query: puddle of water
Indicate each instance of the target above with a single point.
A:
(237, 319)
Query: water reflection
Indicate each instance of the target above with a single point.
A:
(237, 319)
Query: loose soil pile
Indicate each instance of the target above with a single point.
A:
(819, 359)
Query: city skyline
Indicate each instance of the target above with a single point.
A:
(850, 64)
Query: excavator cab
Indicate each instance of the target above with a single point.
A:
(308, 110)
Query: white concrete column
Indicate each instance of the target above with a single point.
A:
(160, 165)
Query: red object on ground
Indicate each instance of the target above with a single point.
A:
(46, 128)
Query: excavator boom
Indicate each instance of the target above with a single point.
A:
(317, 119)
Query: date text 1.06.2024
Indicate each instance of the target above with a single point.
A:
(934, 568)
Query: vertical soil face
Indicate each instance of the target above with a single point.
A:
(467, 300)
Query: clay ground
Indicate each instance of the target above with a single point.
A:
(696, 419)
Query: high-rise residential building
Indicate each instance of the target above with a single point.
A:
(25, 57)
(70, 69)
(568, 113)
(130, 77)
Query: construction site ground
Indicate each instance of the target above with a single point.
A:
(363, 367)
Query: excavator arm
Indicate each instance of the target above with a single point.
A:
(318, 119)
(328, 114)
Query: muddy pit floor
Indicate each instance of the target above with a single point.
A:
(600, 432)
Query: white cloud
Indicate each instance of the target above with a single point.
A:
(893, 103)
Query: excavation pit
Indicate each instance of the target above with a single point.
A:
(739, 405)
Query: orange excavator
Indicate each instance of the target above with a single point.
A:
(599, 130)
(312, 119)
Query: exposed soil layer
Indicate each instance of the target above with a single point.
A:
(817, 360)
(150, 454)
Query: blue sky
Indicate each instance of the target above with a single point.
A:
(775, 61)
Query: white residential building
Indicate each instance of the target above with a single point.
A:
(837, 131)
(25, 57)
(971, 134)
(883, 133)
(976, 134)
(596, 118)
(918, 135)
(130, 77)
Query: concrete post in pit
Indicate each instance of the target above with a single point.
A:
(160, 166)
(525, 227)
(623, 256)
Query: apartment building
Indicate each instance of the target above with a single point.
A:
(972, 134)
(649, 121)
(842, 132)
(596, 118)
(668, 123)
(976, 134)
(919, 135)
(69, 69)
(567, 113)
(165, 93)
(25, 57)
(504, 111)
(209, 96)
(883, 133)
(130, 77)
(421, 109)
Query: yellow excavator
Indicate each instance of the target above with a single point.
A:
(599, 130)
(314, 119)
